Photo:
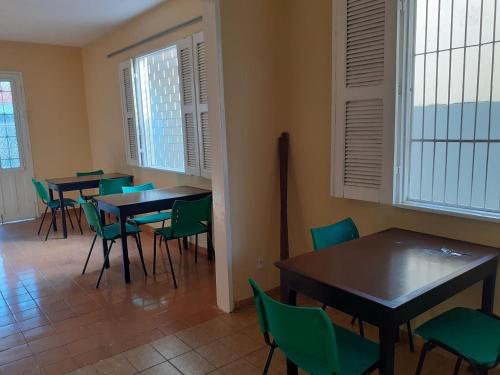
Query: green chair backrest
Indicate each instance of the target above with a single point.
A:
(334, 234)
(136, 188)
(304, 334)
(92, 216)
(42, 192)
(187, 213)
(113, 185)
(91, 173)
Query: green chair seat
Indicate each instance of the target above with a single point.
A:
(56, 203)
(112, 231)
(470, 333)
(182, 231)
(153, 218)
(356, 353)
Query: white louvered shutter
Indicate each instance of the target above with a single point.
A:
(188, 105)
(364, 98)
(128, 109)
(201, 84)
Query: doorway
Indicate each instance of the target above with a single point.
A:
(17, 200)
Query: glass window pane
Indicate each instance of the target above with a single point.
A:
(495, 100)
(465, 174)
(488, 21)
(470, 92)
(159, 109)
(483, 103)
(415, 167)
(420, 22)
(432, 25)
(439, 172)
(479, 175)
(9, 150)
(430, 95)
(456, 87)
(443, 82)
(459, 11)
(452, 173)
(427, 171)
(473, 21)
(492, 199)
(445, 9)
(418, 98)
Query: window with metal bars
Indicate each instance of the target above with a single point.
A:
(450, 140)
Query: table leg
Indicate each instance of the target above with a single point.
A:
(488, 297)
(289, 297)
(210, 239)
(51, 195)
(185, 243)
(123, 233)
(387, 339)
(63, 214)
(104, 242)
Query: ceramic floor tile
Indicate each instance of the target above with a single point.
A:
(164, 368)
(170, 346)
(242, 344)
(218, 353)
(240, 367)
(143, 357)
(117, 365)
(192, 363)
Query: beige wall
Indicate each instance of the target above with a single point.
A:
(102, 86)
(280, 79)
(55, 102)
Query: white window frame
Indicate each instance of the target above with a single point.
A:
(404, 68)
(196, 108)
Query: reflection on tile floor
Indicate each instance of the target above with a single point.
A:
(53, 321)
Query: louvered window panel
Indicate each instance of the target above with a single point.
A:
(365, 42)
(190, 136)
(186, 75)
(363, 143)
(202, 72)
(205, 142)
(132, 140)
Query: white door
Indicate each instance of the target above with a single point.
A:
(17, 197)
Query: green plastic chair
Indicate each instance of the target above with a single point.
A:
(54, 205)
(110, 232)
(86, 197)
(109, 186)
(189, 218)
(469, 334)
(307, 337)
(337, 233)
(334, 234)
(146, 219)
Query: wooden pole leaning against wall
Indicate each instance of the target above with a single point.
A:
(283, 147)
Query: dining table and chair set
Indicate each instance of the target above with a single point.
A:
(385, 279)
(119, 209)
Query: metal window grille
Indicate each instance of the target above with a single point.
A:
(9, 146)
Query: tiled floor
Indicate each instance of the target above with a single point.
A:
(53, 321)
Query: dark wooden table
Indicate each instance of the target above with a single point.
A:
(126, 205)
(75, 183)
(389, 278)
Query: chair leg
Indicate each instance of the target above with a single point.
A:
(458, 363)
(43, 219)
(269, 358)
(180, 246)
(196, 249)
(162, 226)
(69, 217)
(106, 259)
(324, 306)
(154, 253)
(361, 328)
(410, 336)
(353, 320)
(88, 256)
(51, 224)
(170, 261)
(421, 360)
(77, 220)
(139, 247)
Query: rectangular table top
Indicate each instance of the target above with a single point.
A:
(390, 267)
(147, 200)
(73, 180)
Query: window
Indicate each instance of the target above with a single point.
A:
(164, 97)
(450, 157)
(417, 104)
(9, 144)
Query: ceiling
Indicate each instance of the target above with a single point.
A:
(65, 22)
